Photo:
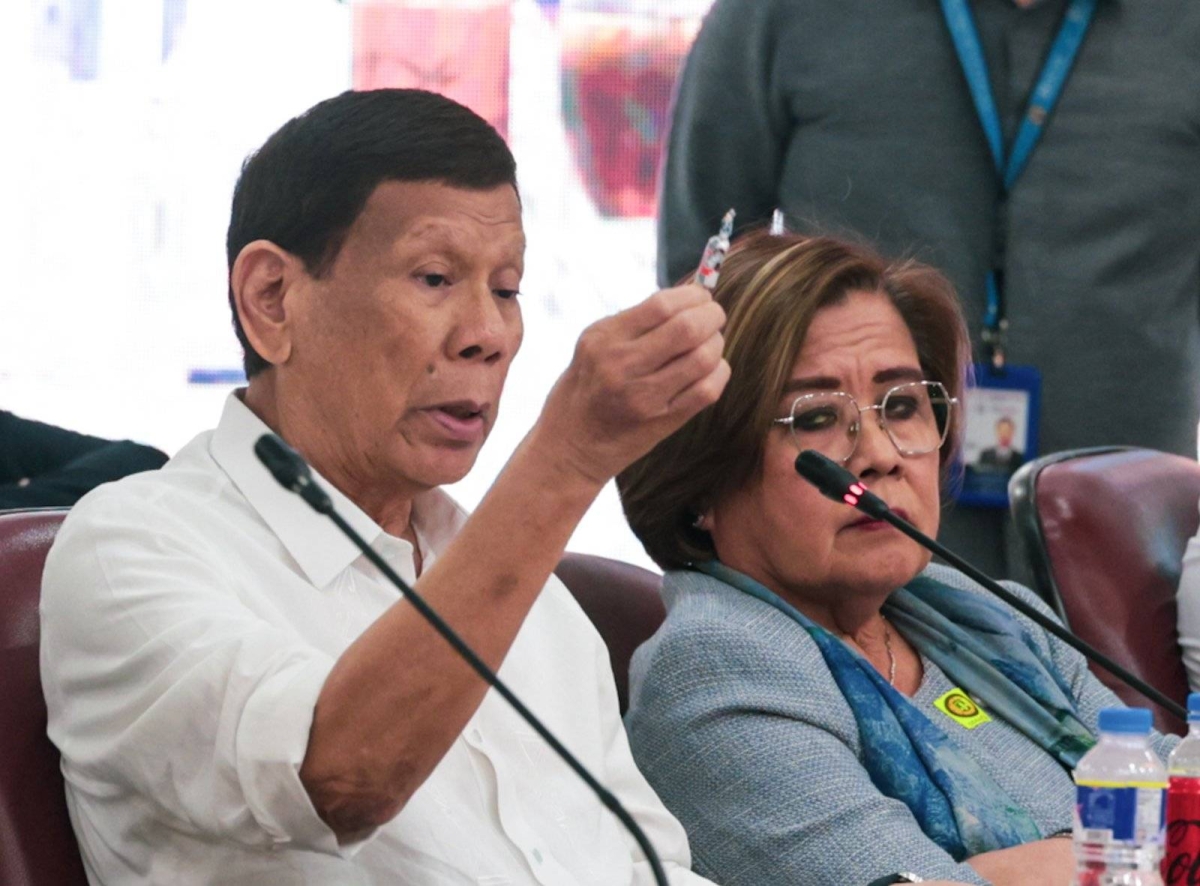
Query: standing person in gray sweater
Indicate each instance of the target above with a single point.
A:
(856, 118)
(821, 706)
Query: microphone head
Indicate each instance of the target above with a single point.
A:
(830, 478)
(291, 471)
(835, 482)
(284, 463)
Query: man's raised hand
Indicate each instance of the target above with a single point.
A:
(636, 377)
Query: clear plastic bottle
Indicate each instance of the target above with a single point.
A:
(1181, 864)
(1120, 795)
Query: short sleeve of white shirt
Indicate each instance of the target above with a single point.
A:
(1188, 601)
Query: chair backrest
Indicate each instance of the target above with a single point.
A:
(1105, 530)
(37, 845)
(623, 602)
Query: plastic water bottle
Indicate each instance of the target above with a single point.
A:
(1182, 862)
(1119, 798)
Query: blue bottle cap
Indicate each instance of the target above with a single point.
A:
(1126, 721)
(1193, 705)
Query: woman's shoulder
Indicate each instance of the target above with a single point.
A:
(722, 649)
(960, 581)
(705, 614)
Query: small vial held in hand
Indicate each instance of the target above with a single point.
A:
(778, 226)
(714, 253)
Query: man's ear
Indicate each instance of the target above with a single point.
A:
(262, 275)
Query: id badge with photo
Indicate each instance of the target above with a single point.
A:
(1000, 415)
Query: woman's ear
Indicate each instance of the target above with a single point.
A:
(260, 279)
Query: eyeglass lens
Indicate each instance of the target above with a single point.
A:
(915, 417)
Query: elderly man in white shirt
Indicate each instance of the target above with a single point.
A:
(1187, 599)
(238, 696)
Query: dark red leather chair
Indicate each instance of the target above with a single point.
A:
(623, 602)
(37, 845)
(1105, 530)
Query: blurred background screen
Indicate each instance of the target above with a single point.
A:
(128, 121)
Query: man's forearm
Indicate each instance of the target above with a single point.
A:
(364, 761)
(399, 695)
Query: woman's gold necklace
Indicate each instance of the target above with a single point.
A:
(887, 644)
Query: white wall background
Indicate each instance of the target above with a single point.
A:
(117, 169)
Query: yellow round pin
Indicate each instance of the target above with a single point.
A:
(960, 706)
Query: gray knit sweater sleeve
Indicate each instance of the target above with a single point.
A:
(738, 724)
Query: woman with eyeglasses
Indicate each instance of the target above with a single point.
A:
(822, 705)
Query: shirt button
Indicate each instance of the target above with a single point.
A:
(537, 855)
(477, 735)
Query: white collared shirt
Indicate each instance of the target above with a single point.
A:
(189, 619)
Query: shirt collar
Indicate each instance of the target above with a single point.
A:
(311, 538)
(313, 541)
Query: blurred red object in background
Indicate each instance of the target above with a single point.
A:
(618, 73)
(456, 47)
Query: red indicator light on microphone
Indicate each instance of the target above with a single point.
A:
(858, 488)
(849, 499)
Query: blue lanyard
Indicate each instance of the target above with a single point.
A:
(1046, 92)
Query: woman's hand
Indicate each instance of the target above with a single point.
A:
(1044, 863)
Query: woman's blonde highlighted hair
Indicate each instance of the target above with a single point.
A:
(771, 287)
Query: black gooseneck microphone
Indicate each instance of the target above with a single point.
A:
(291, 472)
(835, 482)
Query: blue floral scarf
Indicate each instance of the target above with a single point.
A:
(986, 651)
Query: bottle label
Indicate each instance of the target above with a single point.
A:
(1181, 863)
(1110, 813)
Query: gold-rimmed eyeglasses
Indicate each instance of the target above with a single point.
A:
(916, 417)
